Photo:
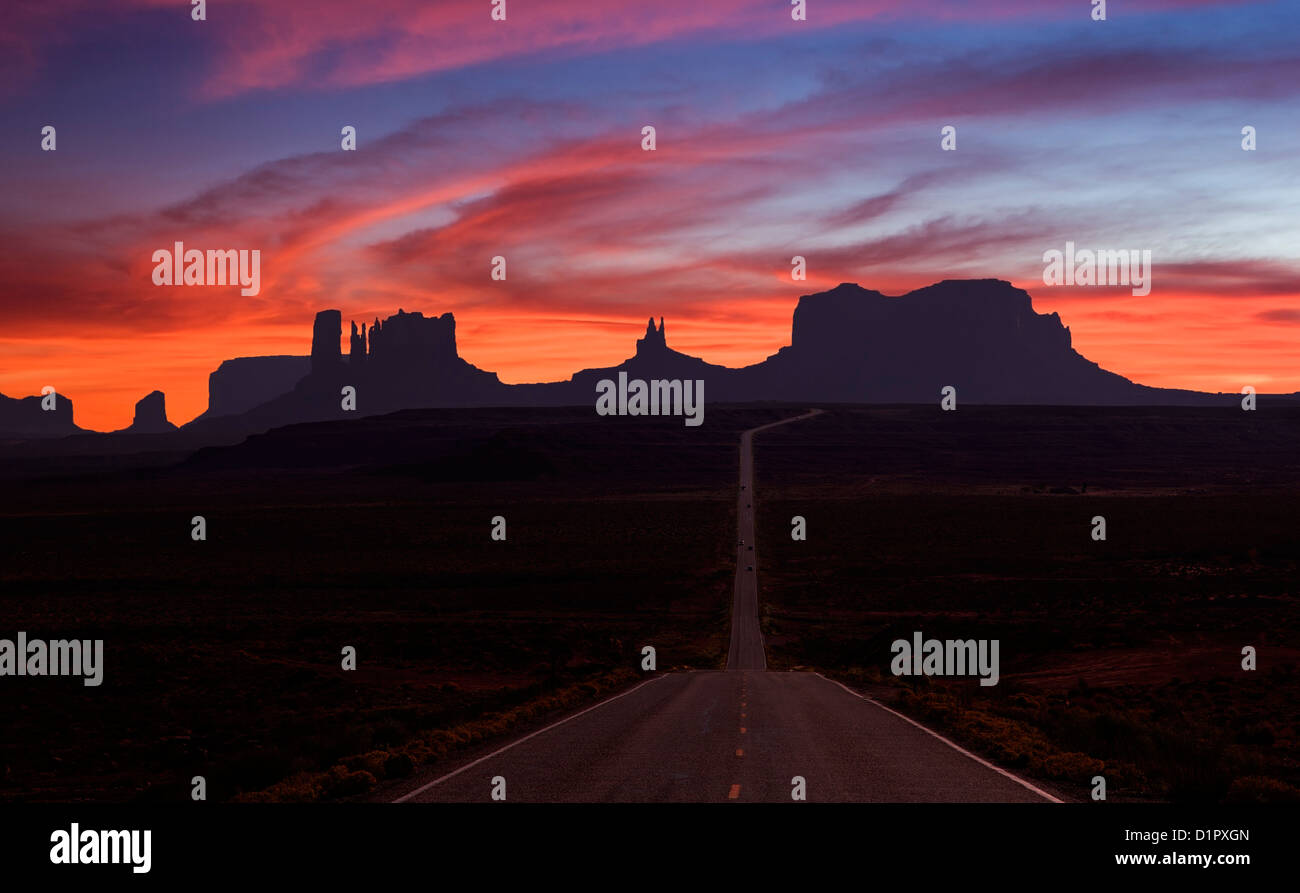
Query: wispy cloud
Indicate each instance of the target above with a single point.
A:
(820, 141)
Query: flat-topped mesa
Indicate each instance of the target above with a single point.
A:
(411, 337)
(985, 313)
(47, 415)
(981, 336)
(240, 384)
(654, 340)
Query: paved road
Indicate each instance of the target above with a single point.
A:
(743, 734)
(746, 649)
(732, 735)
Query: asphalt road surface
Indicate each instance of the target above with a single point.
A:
(741, 735)
(746, 649)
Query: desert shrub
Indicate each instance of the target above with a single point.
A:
(1256, 789)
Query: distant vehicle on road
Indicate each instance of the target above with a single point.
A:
(749, 567)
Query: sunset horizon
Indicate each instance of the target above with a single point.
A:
(492, 347)
(414, 405)
(523, 139)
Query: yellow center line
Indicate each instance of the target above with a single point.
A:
(735, 792)
(740, 751)
(742, 730)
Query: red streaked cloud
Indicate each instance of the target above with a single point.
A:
(598, 236)
(842, 168)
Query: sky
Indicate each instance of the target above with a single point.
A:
(523, 139)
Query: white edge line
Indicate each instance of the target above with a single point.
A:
(502, 750)
(957, 747)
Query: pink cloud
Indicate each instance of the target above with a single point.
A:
(267, 44)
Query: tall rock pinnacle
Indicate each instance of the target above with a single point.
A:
(325, 335)
(654, 340)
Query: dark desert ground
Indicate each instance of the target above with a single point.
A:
(222, 658)
(1121, 657)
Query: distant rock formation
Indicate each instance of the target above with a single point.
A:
(854, 345)
(240, 384)
(27, 417)
(151, 415)
(413, 338)
(653, 359)
(357, 346)
(654, 341)
(981, 336)
(407, 360)
(325, 335)
(848, 344)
